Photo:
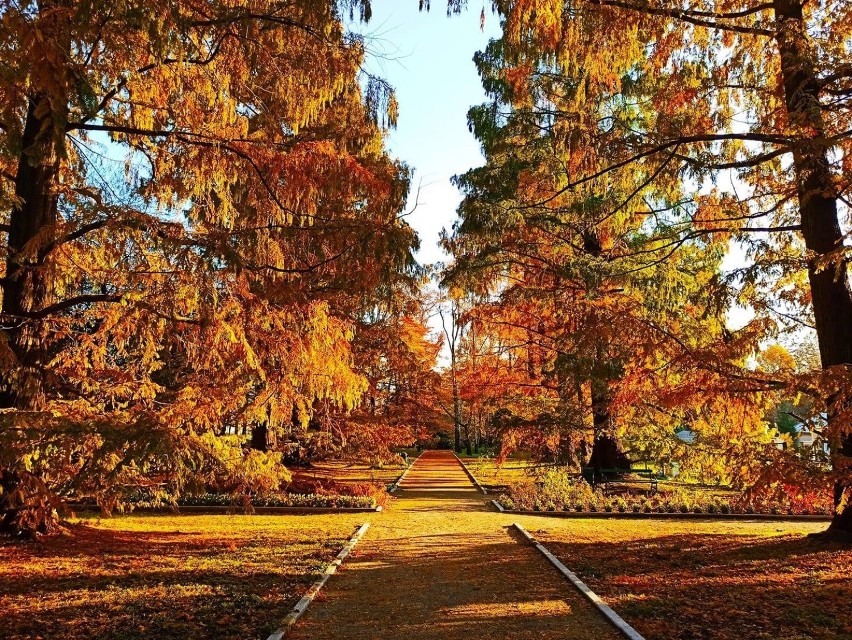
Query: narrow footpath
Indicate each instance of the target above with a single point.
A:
(439, 564)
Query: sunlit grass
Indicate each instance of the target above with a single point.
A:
(493, 474)
(348, 472)
(713, 580)
(165, 576)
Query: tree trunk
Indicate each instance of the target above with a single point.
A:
(565, 449)
(830, 291)
(260, 437)
(606, 454)
(25, 504)
(27, 286)
(456, 414)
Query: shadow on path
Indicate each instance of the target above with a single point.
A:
(437, 564)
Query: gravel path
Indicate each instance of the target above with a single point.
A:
(438, 564)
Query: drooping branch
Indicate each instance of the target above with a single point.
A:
(783, 140)
(706, 19)
(59, 307)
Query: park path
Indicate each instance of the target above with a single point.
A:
(437, 564)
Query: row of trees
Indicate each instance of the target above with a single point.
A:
(203, 247)
(205, 256)
(629, 146)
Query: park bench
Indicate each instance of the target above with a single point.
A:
(605, 476)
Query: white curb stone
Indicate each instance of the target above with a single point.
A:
(302, 605)
(611, 616)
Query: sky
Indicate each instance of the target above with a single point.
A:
(428, 59)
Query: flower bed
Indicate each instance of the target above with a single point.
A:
(283, 500)
(558, 491)
(286, 500)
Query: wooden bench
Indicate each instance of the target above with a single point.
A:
(605, 476)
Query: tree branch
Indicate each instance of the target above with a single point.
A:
(697, 18)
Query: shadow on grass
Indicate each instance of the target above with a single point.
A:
(719, 586)
(103, 584)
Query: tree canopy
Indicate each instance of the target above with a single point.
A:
(209, 276)
(199, 211)
(629, 146)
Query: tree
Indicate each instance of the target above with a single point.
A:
(686, 99)
(209, 281)
(453, 326)
(398, 355)
(630, 319)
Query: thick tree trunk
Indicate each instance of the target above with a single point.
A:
(27, 287)
(260, 437)
(830, 291)
(606, 454)
(26, 507)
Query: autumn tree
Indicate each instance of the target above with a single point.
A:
(197, 205)
(744, 109)
(629, 314)
(505, 396)
(398, 355)
(453, 324)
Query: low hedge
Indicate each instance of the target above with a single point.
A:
(283, 500)
(320, 501)
(626, 506)
(558, 491)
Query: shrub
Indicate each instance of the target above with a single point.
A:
(377, 492)
(506, 501)
(280, 500)
(558, 490)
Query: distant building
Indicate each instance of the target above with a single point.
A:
(809, 440)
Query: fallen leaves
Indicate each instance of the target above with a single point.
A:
(165, 576)
(714, 581)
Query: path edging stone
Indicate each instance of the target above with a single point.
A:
(235, 510)
(616, 620)
(471, 476)
(315, 588)
(401, 477)
(628, 515)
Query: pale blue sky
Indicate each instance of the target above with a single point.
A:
(428, 58)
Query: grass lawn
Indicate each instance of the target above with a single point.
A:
(347, 472)
(165, 576)
(711, 580)
(492, 475)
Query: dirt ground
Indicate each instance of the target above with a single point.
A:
(439, 562)
(438, 565)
